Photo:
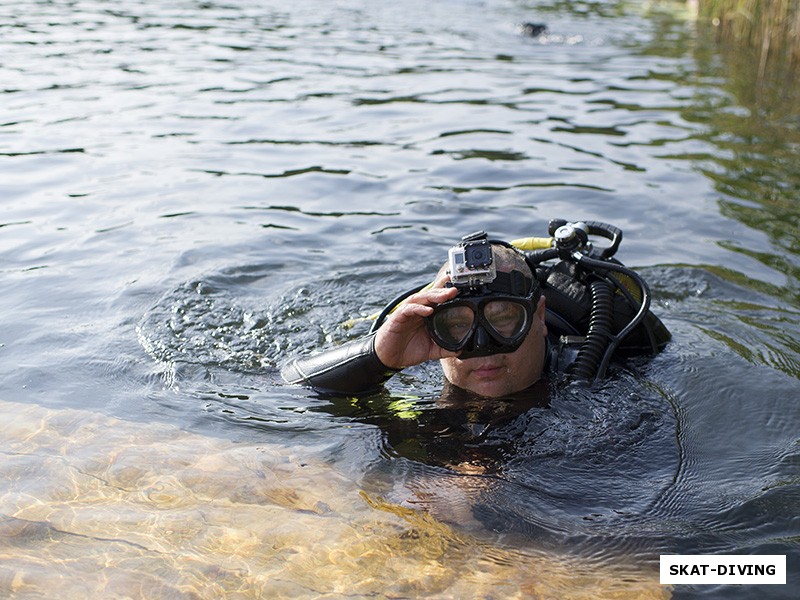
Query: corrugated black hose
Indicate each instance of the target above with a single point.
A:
(599, 334)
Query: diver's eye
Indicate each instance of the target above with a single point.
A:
(506, 318)
(453, 324)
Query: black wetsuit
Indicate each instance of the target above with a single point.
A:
(352, 368)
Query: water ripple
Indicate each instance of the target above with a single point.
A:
(196, 192)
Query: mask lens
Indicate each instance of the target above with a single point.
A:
(453, 324)
(508, 319)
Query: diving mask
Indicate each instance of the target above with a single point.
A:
(494, 310)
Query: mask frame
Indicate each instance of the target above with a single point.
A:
(482, 338)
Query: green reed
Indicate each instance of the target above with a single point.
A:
(771, 28)
(759, 41)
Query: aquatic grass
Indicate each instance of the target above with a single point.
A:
(760, 45)
(771, 28)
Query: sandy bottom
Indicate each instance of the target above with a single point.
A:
(93, 507)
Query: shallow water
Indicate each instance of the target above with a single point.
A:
(193, 194)
(133, 510)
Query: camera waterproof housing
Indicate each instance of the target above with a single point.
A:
(471, 263)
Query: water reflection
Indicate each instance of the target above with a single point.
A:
(750, 120)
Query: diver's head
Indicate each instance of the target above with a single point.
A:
(496, 323)
(497, 298)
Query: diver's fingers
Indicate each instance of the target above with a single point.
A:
(441, 281)
(411, 310)
(422, 303)
(433, 296)
(419, 308)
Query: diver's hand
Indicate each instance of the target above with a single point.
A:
(403, 341)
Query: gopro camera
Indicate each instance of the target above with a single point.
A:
(471, 262)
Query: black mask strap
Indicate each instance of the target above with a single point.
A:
(514, 283)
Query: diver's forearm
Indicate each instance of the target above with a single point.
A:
(351, 368)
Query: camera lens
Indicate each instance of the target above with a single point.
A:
(478, 256)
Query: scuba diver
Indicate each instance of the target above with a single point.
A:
(502, 316)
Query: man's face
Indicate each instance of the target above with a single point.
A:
(502, 374)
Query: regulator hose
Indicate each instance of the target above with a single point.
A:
(594, 347)
(601, 266)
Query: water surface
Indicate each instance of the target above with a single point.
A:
(193, 194)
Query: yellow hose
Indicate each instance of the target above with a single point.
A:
(533, 243)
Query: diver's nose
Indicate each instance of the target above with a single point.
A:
(482, 339)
